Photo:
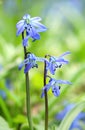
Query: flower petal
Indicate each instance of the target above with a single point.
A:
(20, 66)
(28, 67)
(26, 16)
(41, 59)
(63, 82)
(25, 41)
(46, 87)
(66, 53)
(40, 27)
(35, 19)
(43, 94)
(62, 60)
(34, 34)
(56, 91)
(20, 30)
(52, 68)
(52, 81)
(20, 23)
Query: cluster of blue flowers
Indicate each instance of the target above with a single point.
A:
(32, 27)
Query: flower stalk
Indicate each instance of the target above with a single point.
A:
(32, 27)
(46, 97)
(27, 91)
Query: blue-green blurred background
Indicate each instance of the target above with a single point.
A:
(65, 20)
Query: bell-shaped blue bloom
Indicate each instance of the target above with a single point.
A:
(55, 86)
(56, 62)
(32, 26)
(30, 62)
(75, 124)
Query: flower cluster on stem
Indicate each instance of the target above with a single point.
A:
(30, 28)
(52, 64)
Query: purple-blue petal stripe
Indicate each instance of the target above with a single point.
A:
(28, 67)
(66, 53)
(25, 41)
(34, 19)
(20, 30)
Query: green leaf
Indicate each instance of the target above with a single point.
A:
(25, 127)
(20, 119)
(5, 111)
(35, 127)
(4, 125)
(67, 121)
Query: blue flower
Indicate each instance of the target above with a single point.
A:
(8, 86)
(2, 94)
(30, 62)
(32, 26)
(75, 123)
(56, 62)
(54, 85)
(62, 113)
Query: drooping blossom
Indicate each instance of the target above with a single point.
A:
(32, 26)
(56, 62)
(54, 85)
(30, 62)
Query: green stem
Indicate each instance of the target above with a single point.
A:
(46, 98)
(27, 92)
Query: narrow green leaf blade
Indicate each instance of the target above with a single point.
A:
(67, 121)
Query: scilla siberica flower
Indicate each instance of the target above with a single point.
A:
(55, 86)
(30, 62)
(32, 26)
(56, 62)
